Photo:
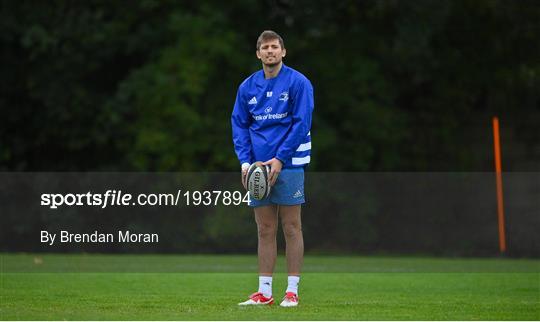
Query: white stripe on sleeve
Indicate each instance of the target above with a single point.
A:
(304, 147)
(299, 161)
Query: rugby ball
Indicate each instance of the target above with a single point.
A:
(257, 182)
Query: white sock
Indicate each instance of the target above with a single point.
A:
(265, 285)
(293, 284)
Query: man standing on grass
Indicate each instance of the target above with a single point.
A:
(271, 122)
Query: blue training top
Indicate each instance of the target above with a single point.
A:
(272, 118)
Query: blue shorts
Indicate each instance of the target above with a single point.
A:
(288, 190)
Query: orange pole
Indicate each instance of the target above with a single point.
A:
(498, 173)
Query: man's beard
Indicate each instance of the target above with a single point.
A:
(274, 64)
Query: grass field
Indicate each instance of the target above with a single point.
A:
(152, 287)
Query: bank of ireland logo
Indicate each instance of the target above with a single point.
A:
(268, 109)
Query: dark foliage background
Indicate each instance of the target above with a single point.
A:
(149, 85)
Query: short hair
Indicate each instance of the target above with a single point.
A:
(269, 35)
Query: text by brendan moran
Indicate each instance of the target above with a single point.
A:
(97, 237)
